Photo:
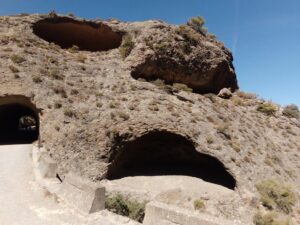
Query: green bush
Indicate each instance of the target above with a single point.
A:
(267, 108)
(125, 207)
(291, 111)
(127, 46)
(69, 112)
(199, 204)
(270, 218)
(276, 195)
(189, 34)
(197, 23)
(17, 59)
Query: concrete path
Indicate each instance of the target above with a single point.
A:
(24, 202)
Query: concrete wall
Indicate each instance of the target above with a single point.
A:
(162, 214)
(82, 194)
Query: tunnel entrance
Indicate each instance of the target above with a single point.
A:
(19, 123)
(165, 153)
(67, 32)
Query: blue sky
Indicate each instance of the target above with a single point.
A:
(264, 35)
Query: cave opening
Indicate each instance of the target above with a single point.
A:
(67, 32)
(165, 153)
(19, 123)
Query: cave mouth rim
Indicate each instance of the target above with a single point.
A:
(16, 129)
(226, 178)
(88, 35)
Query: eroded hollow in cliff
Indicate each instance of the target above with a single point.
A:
(202, 80)
(164, 153)
(19, 121)
(67, 32)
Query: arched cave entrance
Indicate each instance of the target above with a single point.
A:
(67, 32)
(165, 153)
(19, 121)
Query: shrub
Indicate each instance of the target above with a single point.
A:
(197, 23)
(74, 92)
(57, 105)
(123, 115)
(190, 35)
(17, 59)
(276, 195)
(291, 111)
(37, 79)
(210, 140)
(182, 87)
(267, 108)
(246, 95)
(61, 91)
(69, 112)
(126, 207)
(199, 204)
(13, 69)
(127, 46)
(270, 218)
(55, 73)
(74, 49)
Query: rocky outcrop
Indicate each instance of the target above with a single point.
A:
(182, 55)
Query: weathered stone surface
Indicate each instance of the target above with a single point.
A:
(82, 194)
(225, 93)
(46, 167)
(182, 55)
(160, 213)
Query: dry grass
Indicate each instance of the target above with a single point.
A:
(267, 108)
(127, 46)
(271, 218)
(124, 206)
(276, 195)
(199, 204)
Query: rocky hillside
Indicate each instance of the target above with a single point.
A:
(103, 90)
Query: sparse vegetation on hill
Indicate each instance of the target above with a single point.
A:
(126, 207)
(271, 218)
(267, 108)
(127, 46)
(276, 195)
(291, 111)
(197, 23)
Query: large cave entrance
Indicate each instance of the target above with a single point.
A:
(19, 121)
(67, 32)
(164, 153)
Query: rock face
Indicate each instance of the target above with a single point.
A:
(181, 55)
(91, 107)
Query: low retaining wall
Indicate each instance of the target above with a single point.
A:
(163, 214)
(79, 193)
(82, 194)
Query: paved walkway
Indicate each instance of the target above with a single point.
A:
(24, 202)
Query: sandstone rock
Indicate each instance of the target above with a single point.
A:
(225, 93)
(205, 65)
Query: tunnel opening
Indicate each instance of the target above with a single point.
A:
(67, 32)
(164, 153)
(19, 122)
